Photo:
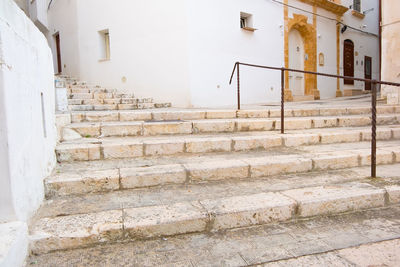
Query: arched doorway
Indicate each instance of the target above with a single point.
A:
(298, 26)
(348, 60)
(296, 61)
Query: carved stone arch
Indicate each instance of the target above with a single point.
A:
(308, 33)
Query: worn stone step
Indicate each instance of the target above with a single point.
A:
(81, 96)
(79, 90)
(151, 128)
(185, 169)
(93, 102)
(75, 101)
(226, 114)
(101, 107)
(119, 148)
(318, 241)
(93, 105)
(108, 101)
(70, 204)
(163, 105)
(89, 89)
(206, 215)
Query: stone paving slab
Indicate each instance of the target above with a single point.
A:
(337, 198)
(74, 231)
(82, 182)
(156, 221)
(280, 244)
(240, 211)
(150, 176)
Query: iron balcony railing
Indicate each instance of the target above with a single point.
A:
(282, 70)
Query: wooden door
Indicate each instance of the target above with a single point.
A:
(368, 71)
(296, 61)
(348, 61)
(59, 66)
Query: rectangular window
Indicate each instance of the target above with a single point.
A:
(246, 21)
(357, 5)
(104, 44)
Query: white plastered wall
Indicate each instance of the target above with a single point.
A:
(62, 19)
(326, 44)
(183, 51)
(216, 42)
(364, 44)
(154, 54)
(391, 49)
(148, 41)
(26, 155)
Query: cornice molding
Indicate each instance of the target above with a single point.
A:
(333, 7)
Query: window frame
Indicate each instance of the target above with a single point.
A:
(357, 5)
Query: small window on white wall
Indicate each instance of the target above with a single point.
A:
(104, 45)
(246, 21)
(357, 5)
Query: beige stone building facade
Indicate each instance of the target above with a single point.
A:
(391, 49)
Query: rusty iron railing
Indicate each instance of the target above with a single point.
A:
(373, 99)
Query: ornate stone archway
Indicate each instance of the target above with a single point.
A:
(308, 33)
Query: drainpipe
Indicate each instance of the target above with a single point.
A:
(380, 42)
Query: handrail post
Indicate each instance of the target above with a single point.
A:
(373, 138)
(282, 101)
(238, 85)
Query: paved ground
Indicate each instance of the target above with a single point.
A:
(324, 241)
(385, 253)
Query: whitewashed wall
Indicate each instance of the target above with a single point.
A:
(326, 44)
(153, 48)
(365, 45)
(216, 42)
(26, 154)
(148, 42)
(62, 19)
(391, 49)
(183, 51)
(38, 13)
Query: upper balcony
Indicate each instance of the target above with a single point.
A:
(334, 6)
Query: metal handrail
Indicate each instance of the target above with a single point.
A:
(312, 72)
(373, 100)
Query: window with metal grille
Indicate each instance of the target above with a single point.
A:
(357, 5)
(104, 45)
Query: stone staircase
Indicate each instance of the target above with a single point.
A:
(83, 96)
(126, 176)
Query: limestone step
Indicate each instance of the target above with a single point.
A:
(354, 92)
(301, 98)
(173, 114)
(130, 147)
(175, 193)
(318, 241)
(87, 89)
(105, 107)
(111, 175)
(151, 128)
(207, 215)
(102, 94)
(106, 101)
